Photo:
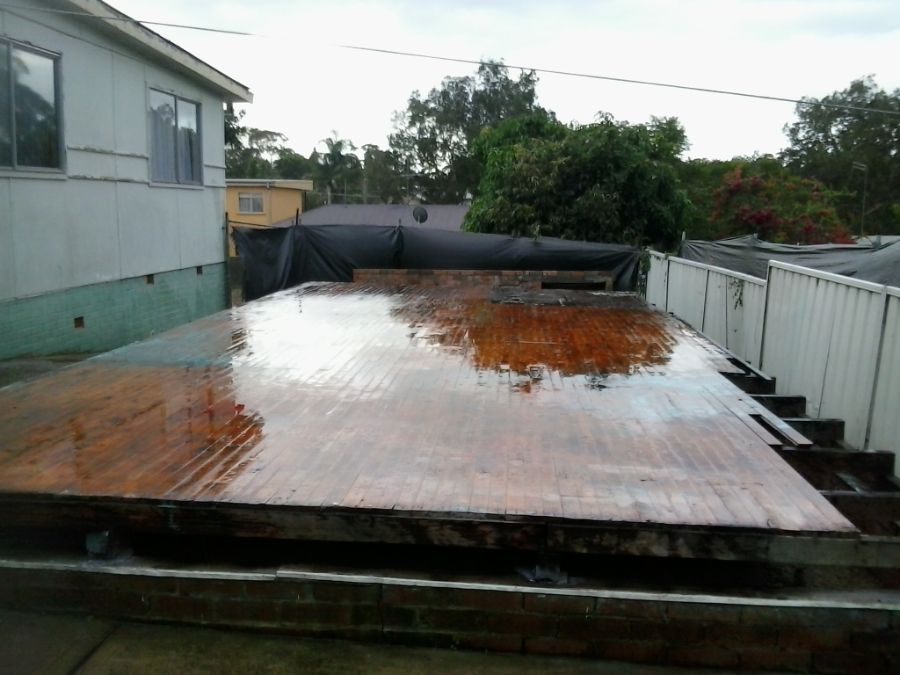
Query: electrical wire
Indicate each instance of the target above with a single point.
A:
(477, 62)
(626, 80)
(126, 19)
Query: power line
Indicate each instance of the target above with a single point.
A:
(126, 19)
(626, 80)
(477, 62)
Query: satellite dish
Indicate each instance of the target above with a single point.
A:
(420, 215)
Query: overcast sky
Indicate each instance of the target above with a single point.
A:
(305, 86)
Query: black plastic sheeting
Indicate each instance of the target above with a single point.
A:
(751, 255)
(280, 258)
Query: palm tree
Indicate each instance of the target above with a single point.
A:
(335, 165)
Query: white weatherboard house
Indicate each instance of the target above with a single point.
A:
(112, 179)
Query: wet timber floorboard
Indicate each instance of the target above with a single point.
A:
(339, 411)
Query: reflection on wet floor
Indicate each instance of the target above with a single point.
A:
(528, 340)
(416, 400)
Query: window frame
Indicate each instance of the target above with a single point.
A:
(6, 46)
(262, 202)
(178, 182)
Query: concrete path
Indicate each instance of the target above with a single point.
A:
(40, 644)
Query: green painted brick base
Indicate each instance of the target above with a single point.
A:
(113, 313)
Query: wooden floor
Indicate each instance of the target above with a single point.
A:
(425, 403)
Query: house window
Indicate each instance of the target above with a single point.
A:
(174, 139)
(29, 107)
(250, 202)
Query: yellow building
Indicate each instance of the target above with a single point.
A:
(263, 202)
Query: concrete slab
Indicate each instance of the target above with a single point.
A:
(48, 644)
(143, 649)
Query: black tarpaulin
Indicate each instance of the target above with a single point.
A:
(322, 254)
(272, 253)
(751, 255)
(277, 259)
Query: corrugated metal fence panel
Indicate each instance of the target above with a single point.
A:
(687, 291)
(745, 310)
(715, 313)
(852, 360)
(798, 327)
(885, 422)
(821, 339)
(657, 280)
(818, 334)
(728, 307)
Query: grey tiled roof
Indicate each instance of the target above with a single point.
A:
(440, 216)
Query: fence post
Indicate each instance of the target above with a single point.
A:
(728, 340)
(227, 229)
(765, 318)
(666, 305)
(705, 299)
(885, 300)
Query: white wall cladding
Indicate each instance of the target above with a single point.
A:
(884, 430)
(833, 339)
(7, 250)
(101, 219)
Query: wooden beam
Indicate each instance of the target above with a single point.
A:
(872, 512)
(439, 529)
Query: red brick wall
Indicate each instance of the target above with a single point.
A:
(745, 634)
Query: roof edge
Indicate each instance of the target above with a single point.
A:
(111, 19)
(288, 183)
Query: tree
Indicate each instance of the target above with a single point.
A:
(765, 198)
(609, 181)
(249, 152)
(433, 136)
(759, 195)
(381, 175)
(539, 125)
(826, 142)
(233, 128)
(336, 168)
(701, 180)
(293, 165)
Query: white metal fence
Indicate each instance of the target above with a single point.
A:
(725, 306)
(657, 279)
(833, 339)
(884, 415)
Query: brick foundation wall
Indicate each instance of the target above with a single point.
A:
(638, 627)
(530, 280)
(113, 313)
